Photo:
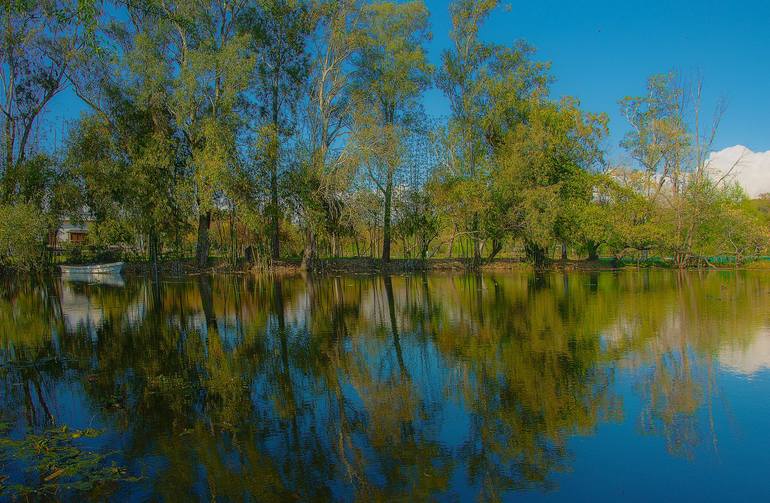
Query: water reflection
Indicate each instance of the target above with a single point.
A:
(373, 388)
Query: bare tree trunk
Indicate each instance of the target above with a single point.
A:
(202, 248)
(386, 223)
(275, 246)
(536, 254)
(154, 249)
(233, 237)
(497, 246)
(476, 241)
(593, 251)
(311, 251)
(9, 142)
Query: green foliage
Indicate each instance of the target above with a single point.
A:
(292, 120)
(391, 72)
(544, 181)
(392, 68)
(658, 139)
(31, 180)
(417, 221)
(23, 232)
(488, 87)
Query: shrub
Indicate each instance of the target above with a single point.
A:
(23, 231)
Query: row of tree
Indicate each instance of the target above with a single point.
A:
(286, 128)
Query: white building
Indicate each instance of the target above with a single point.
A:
(70, 232)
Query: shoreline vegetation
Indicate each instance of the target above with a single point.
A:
(253, 132)
(366, 265)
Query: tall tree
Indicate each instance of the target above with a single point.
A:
(391, 72)
(658, 139)
(212, 66)
(39, 42)
(543, 182)
(487, 86)
(279, 30)
(670, 145)
(141, 161)
(325, 177)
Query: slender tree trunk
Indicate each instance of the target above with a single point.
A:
(275, 246)
(593, 251)
(202, 248)
(386, 223)
(370, 244)
(497, 246)
(476, 240)
(233, 237)
(536, 254)
(153, 249)
(564, 251)
(9, 141)
(311, 251)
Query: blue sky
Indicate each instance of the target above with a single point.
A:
(602, 50)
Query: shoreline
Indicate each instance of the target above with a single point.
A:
(358, 265)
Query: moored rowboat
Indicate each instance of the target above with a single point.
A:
(113, 268)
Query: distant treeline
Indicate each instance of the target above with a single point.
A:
(259, 130)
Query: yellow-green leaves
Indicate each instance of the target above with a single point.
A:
(392, 68)
(23, 231)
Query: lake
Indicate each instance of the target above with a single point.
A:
(639, 385)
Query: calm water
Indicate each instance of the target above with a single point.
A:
(638, 385)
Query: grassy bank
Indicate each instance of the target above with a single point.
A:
(364, 265)
(329, 266)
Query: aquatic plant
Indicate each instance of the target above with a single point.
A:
(56, 465)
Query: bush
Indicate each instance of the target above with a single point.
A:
(23, 232)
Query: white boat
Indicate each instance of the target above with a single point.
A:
(115, 279)
(113, 268)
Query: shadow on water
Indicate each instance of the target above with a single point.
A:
(363, 387)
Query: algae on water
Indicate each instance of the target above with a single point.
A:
(56, 464)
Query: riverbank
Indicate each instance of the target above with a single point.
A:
(357, 265)
(364, 265)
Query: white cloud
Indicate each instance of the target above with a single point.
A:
(739, 164)
(748, 360)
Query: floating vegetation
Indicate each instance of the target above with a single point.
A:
(163, 384)
(53, 464)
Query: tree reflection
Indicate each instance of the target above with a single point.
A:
(369, 388)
